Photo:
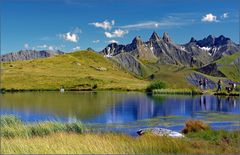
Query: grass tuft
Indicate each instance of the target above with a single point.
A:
(11, 127)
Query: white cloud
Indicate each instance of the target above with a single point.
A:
(143, 25)
(225, 15)
(76, 48)
(26, 46)
(96, 41)
(106, 25)
(69, 36)
(116, 33)
(112, 41)
(72, 36)
(156, 24)
(209, 18)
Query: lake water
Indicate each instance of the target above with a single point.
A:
(123, 111)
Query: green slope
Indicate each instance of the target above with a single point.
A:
(76, 71)
(174, 76)
(229, 68)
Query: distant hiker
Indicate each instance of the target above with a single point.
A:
(219, 85)
(200, 83)
(204, 83)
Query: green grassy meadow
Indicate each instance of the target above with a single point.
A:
(83, 70)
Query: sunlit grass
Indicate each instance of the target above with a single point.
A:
(110, 143)
(74, 71)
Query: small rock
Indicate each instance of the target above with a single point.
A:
(76, 63)
(101, 68)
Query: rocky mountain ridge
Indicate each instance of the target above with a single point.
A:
(29, 55)
(162, 50)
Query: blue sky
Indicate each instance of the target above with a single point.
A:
(72, 24)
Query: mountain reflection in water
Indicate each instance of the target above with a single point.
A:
(111, 107)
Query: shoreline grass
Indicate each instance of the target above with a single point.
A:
(11, 127)
(177, 91)
(70, 138)
(224, 93)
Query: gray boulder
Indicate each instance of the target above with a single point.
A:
(160, 132)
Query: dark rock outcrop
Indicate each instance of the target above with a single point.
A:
(194, 78)
(211, 69)
(130, 63)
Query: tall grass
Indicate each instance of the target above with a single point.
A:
(11, 127)
(112, 143)
(64, 138)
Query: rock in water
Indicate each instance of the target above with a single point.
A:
(160, 132)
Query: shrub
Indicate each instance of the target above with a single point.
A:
(195, 126)
(94, 86)
(156, 85)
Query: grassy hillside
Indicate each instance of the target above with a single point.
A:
(174, 76)
(229, 68)
(75, 71)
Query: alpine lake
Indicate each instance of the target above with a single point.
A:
(124, 112)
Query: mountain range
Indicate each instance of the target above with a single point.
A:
(157, 58)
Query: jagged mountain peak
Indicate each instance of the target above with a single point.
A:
(211, 37)
(166, 37)
(192, 40)
(211, 41)
(222, 40)
(137, 41)
(154, 37)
